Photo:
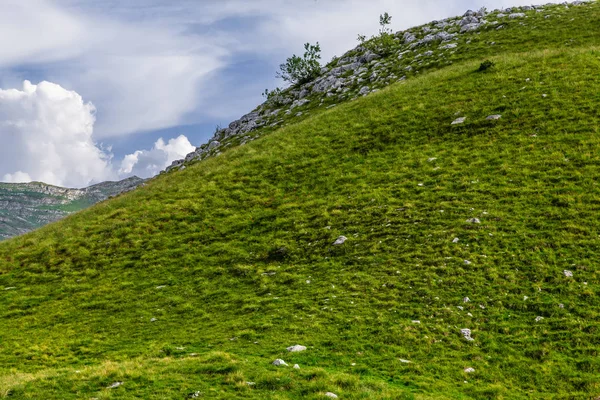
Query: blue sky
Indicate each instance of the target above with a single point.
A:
(123, 74)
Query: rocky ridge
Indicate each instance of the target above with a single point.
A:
(359, 72)
(27, 206)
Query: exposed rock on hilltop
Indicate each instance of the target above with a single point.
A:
(27, 206)
(360, 71)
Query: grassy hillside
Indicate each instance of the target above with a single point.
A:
(192, 285)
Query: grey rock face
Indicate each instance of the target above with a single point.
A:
(436, 37)
(469, 28)
(468, 20)
(409, 38)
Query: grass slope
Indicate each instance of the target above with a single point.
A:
(233, 256)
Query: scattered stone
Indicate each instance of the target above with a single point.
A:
(296, 348)
(365, 90)
(466, 300)
(538, 318)
(467, 262)
(561, 305)
(340, 240)
(404, 361)
(459, 120)
(431, 159)
(449, 46)
(153, 320)
(114, 385)
(409, 38)
(331, 395)
(467, 334)
(279, 362)
(296, 366)
(516, 15)
(474, 221)
(567, 273)
(469, 370)
(494, 117)
(415, 321)
(250, 383)
(10, 288)
(456, 240)
(544, 95)
(525, 298)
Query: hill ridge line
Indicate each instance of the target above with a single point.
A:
(357, 73)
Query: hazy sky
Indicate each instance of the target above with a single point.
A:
(94, 90)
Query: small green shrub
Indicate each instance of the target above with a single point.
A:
(299, 70)
(487, 64)
(382, 44)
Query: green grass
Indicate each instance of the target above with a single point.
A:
(242, 244)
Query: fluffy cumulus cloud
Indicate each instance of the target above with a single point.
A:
(146, 163)
(46, 134)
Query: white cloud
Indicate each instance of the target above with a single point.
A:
(46, 135)
(147, 163)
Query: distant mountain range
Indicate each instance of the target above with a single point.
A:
(27, 206)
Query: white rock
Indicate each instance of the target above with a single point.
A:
(467, 334)
(459, 120)
(466, 300)
(331, 395)
(296, 366)
(279, 362)
(404, 361)
(114, 385)
(153, 320)
(538, 318)
(296, 348)
(494, 117)
(415, 321)
(474, 221)
(161, 286)
(340, 240)
(456, 240)
(469, 370)
(567, 273)
(467, 262)
(431, 159)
